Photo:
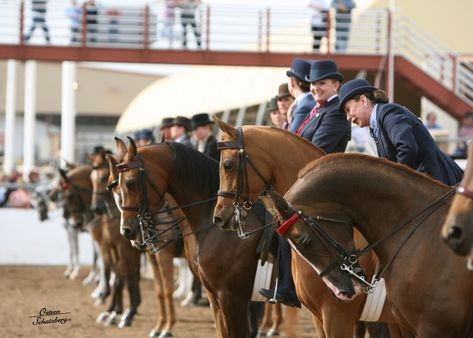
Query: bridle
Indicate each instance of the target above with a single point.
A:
(241, 201)
(348, 260)
(146, 219)
(106, 197)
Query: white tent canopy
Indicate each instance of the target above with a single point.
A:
(200, 89)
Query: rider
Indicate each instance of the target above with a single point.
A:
(400, 136)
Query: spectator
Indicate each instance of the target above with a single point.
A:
(202, 132)
(169, 18)
(188, 9)
(284, 102)
(38, 9)
(74, 14)
(399, 135)
(180, 130)
(277, 118)
(465, 134)
(113, 14)
(92, 13)
(165, 129)
(300, 89)
(143, 137)
(343, 10)
(431, 121)
(318, 21)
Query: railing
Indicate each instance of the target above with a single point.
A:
(250, 28)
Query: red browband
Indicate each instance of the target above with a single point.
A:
(283, 228)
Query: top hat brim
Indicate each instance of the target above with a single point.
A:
(334, 75)
(166, 125)
(297, 76)
(200, 124)
(351, 94)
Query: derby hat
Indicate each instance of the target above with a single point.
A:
(182, 121)
(273, 104)
(283, 91)
(323, 69)
(166, 122)
(351, 89)
(144, 134)
(300, 68)
(201, 119)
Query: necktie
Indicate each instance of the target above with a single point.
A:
(313, 112)
(373, 135)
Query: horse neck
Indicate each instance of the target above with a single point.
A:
(285, 160)
(377, 198)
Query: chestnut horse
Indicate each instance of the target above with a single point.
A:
(192, 179)
(274, 156)
(400, 213)
(161, 264)
(125, 258)
(78, 192)
(457, 230)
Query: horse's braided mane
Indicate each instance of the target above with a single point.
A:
(389, 165)
(195, 170)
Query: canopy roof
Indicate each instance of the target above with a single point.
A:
(198, 89)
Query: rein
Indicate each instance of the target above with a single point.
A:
(348, 261)
(242, 204)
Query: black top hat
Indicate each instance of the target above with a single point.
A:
(98, 150)
(273, 104)
(182, 121)
(300, 68)
(351, 89)
(166, 122)
(283, 91)
(201, 119)
(323, 69)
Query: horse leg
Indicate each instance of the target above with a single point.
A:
(335, 329)
(158, 290)
(266, 322)
(93, 269)
(116, 306)
(234, 309)
(380, 330)
(181, 265)
(220, 327)
(188, 293)
(277, 320)
(318, 326)
(74, 253)
(132, 272)
(360, 330)
(255, 313)
(166, 271)
(70, 266)
(291, 320)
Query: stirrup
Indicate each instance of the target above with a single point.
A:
(274, 300)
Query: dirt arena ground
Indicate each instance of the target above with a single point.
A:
(25, 290)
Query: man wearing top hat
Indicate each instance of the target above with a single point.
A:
(180, 130)
(202, 132)
(165, 128)
(284, 101)
(326, 127)
(300, 89)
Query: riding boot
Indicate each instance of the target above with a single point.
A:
(286, 290)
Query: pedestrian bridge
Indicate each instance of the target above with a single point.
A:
(251, 35)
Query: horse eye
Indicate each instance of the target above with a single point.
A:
(130, 183)
(228, 164)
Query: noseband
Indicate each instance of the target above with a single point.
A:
(348, 261)
(241, 200)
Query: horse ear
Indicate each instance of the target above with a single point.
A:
(69, 165)
(63, 174)
(225, 127)
(131, 146)
(121, 147)
(279, 204)
(112, 164)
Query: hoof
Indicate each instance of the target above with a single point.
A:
(272, 333)
(102, 317)
(261, 334)
(154, 333)
(124, 323)
(67, 273)
(89, 279)
(165, 334)
(99, 301)
(111, 320)
(74, 274)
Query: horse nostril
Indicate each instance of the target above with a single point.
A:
(128, 233)
(455, 233)
(218, 220)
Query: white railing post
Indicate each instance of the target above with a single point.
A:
(29, 119)
(10, 112)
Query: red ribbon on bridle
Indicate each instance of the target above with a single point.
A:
(283, 228)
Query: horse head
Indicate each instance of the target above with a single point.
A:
(242, 178)
(457, 231)
(319, 240)
(102, 199)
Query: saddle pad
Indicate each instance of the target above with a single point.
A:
(262, 280)
(374, 303)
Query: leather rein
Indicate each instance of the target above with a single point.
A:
(348, 260)
(241, 200)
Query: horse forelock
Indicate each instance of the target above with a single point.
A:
(366, 162)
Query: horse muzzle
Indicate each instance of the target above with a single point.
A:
(224, 218)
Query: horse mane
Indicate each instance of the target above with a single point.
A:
(285, 132)
(372, 160)
(194, 169)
